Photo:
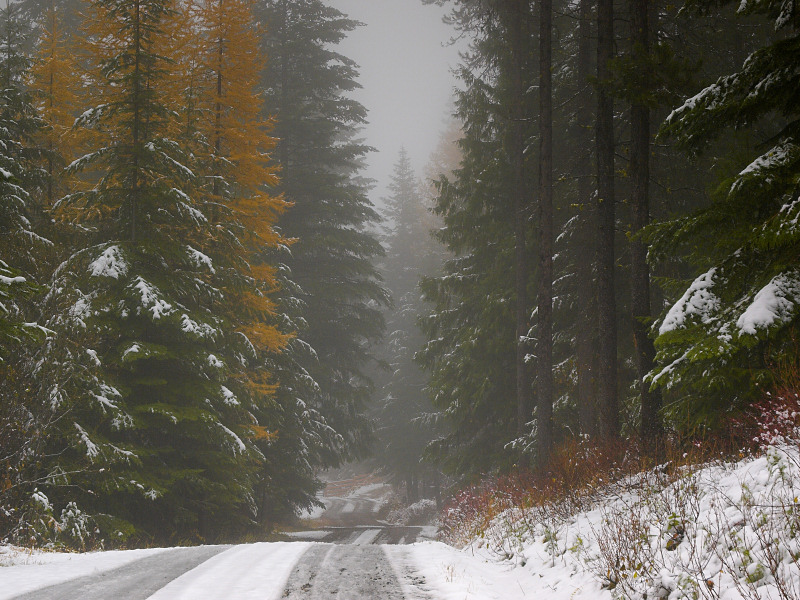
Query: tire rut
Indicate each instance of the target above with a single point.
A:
(343, 571)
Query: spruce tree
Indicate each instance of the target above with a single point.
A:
(23, 249)
(307, 85)
(607, 375)
(161, 424)
(403, 425)
(471, 345)
(20, 240)
(544, 348)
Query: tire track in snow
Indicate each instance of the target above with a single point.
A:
(328, 571)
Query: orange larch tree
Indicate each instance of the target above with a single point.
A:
(239, 172)
(54, 79)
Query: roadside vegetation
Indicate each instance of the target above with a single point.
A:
(719, 517)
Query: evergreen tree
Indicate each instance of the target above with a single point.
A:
(307, 85)
(715, 343)
(234, 129)
(22, 248)
(470, 351)
(403, 426)
(20, 241)
(544, 349)
(607, 375)
(161, 424)
(53, 81)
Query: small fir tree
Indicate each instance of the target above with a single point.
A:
(403, 425)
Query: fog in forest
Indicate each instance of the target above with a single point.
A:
(373, 271)
(406, 60)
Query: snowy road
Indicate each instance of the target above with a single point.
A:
(294, 570)
(363, 535)
(269, 571)
(351, 555)
(344, 562)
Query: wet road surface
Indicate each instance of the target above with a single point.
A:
(137, 580)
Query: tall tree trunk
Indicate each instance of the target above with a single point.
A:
(606, 301)
(283, 144)
(586, 343)
(218, 122)
(516, 18)
(640, 271)
(544, 352)
(136, 120)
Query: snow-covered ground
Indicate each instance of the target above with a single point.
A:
(373, 496)
(435, 570)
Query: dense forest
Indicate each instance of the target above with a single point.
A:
(177, 365)
(622, 227)
(201, 308)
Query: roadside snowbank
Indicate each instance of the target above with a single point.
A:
(435, 570)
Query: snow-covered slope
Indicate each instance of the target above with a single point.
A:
(729, 531)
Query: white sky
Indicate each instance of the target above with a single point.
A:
(406, 76)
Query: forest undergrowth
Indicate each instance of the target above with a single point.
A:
(718, 517)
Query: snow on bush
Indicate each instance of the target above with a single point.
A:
(40, 525)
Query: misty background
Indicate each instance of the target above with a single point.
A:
(406, 58)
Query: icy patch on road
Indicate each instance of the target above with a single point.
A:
(247, 572)
(22, 570)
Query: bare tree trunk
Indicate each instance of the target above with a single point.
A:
(586, 345)
(544, 351)
(640, 271)
(606, 301)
